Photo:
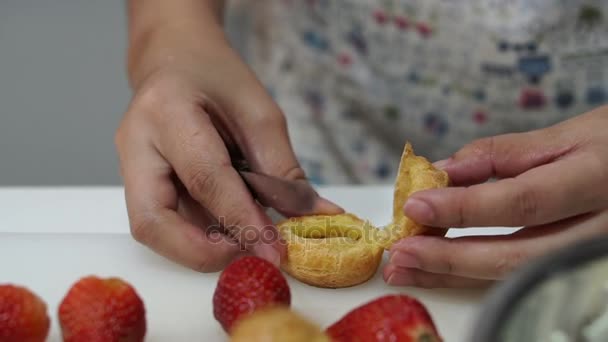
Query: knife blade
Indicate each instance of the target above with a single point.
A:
(291, 198)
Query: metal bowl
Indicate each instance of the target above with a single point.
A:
(560, 297)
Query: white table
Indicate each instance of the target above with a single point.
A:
(50, 237)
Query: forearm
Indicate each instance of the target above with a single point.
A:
(165, 32)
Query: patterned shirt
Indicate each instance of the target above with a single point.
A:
(356, 79)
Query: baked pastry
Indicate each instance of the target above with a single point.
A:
(343, 250)
(330, 250)
(277, 324)
(415, 173)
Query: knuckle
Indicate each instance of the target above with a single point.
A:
(482, 146)
(441, 260)
(235, 228)
(446, 262)
(597, 162)
(467, 206)
(156, 91)
(508, 263)
(162, 101)
(203, 184)
(204, 265)
(460, 218)
(525, 204)
(431, 282)
(208, 262)
(121, 135)
(425, 280)
(148, 99)
(273, 119)
(142, 229)
(417, 279)
(201, 180)
(119, 138)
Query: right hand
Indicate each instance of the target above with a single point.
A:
(175, 143)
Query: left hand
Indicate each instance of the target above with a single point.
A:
(553, 182)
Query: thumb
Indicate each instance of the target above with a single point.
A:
(504, 156)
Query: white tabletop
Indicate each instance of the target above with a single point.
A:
(102, 209)
(61, 234)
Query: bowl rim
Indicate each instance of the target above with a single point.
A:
(502, 300)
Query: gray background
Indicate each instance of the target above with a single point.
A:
(62, 91)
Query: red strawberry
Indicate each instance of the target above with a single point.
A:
(248, 284)
(388, 318)
(102, 310)
(23, 315)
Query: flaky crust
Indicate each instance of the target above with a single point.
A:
(330, 251)
(415, 173)
(334, 251)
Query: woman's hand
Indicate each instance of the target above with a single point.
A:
(197, 105)
(553, 182)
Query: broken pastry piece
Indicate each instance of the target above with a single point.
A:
(335, 251)
(415, 173)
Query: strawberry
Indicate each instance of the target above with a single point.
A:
(246, 285)
(388, 318)
(97, 309)
(23, 315)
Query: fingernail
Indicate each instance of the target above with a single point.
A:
(268, 252)
(399, 279)
(402, 259)
(419, 210)
(326, 206)
(440, 164)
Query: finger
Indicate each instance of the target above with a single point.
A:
(493, 257)
(505, 155)
(541, 195)
(261, 133)
(152, 202)
(201, 161)
(400, 276)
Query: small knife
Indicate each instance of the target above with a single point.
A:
(291, 198)
(288, 197)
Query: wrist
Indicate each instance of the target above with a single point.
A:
(162, 34)
(164, 48)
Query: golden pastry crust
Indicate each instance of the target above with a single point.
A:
(415, 173)
(335, 251)
(330, 251)
(277, 324)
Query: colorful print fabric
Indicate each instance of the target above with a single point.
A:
(356, 79)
